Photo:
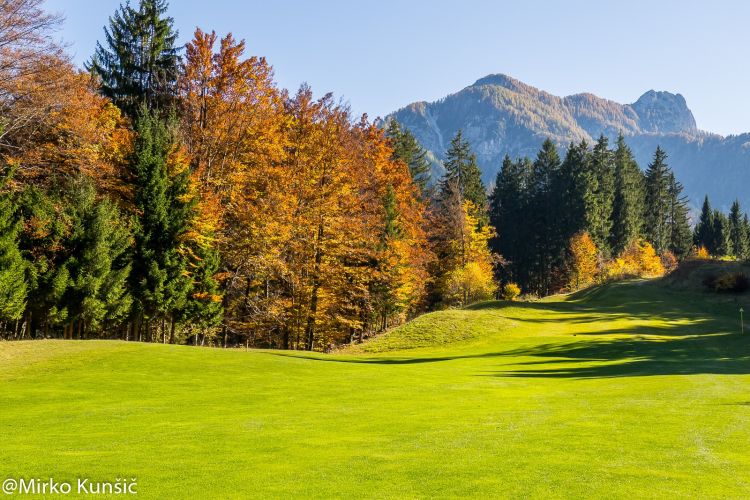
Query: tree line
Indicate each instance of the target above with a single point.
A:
(176, 194)
(538, 207)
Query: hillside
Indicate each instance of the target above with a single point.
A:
(634, 389)
(501, 115)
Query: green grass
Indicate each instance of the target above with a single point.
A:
(632, 390)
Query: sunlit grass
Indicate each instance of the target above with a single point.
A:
(626, 391)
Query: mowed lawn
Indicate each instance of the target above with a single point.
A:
(627, 391)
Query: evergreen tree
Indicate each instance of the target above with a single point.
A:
(546, 246)
(43, 245)
(508, 202)
(138, 63)
(203, 308)
(407, 149)
(737, 233)
(98, 265)
(703, 233)
(160, 278)
(462, 174)
(627, 209)
(13, 284)
(600, 210)
(657, 229)
(576, 186)
(679, 219)
(721, 242)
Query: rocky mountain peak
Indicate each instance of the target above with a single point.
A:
(664, 113)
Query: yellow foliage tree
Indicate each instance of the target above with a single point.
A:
(472, 277)
(639, 259)
(584, 261)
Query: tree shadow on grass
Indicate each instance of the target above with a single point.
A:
(721, 353)
(667, 333)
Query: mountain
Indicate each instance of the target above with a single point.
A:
(500, 115)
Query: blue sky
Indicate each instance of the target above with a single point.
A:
(381, 55)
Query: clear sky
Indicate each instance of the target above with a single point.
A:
(381, 55)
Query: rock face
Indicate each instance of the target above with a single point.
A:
(500, 115)
(664, 113)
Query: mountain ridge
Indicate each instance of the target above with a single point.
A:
(501, 115)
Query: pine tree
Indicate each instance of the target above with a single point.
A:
(138, 63)
(159, 271)
(627, 209)
(407, 149)
(679, 219)
(658, 202)
(13, 284)
(463, 174)
(703, 233)
(737, 233)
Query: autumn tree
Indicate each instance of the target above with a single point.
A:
(584, 261)
(472, 278)
(28, 56)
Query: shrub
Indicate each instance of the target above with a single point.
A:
(669, 261)
(709, 281)
(510, 291)
(702, 253)
(639, 259)
(731, 283)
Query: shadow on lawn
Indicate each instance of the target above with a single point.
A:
(724, 353)
(693, 339)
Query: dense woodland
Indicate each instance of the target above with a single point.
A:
(176, 194)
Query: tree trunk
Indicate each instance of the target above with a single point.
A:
(311, 316)
(171, 331)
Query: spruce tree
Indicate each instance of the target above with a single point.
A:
(703, 233)
(407, 149)
(508, 209)
(721, 242)
(679, 219)
(737, 233)
(99, 262)
(462, 174)
(13, 284)
(545, 246)
(658, 202)
(576, 186)
(627, 209)
(203, 308)
(138, 62)
(600, 210)
(159, 276)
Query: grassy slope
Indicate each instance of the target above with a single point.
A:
(627, 391)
